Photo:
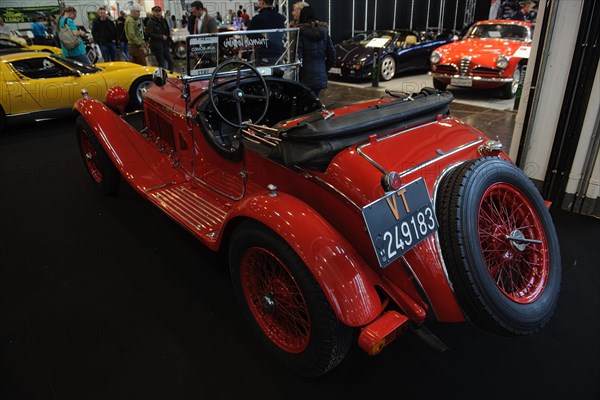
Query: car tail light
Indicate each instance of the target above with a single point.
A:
(391, 181)
(381, 332)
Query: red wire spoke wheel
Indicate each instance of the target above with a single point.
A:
(283, 303)
(103, 173)
(275, 300)
(90, 157)
(499, 246)
(519, 269)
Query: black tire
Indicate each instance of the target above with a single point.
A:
(2, 119)
(439, 85)
(387, 68)
(311, 343)
(509, 90)
(103, 173)
(480, 204)
(135, 91)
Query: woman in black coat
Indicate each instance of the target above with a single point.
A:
(315, 49)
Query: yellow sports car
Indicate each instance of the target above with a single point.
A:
(8, 44)
(39, 85)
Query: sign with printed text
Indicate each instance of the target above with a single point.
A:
(523, 52)
(203, 55)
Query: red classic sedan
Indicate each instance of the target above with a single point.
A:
(491, 55)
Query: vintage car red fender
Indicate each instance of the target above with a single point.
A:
(112, 132)
(347, 281)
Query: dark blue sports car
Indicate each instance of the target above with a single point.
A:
(400, 51)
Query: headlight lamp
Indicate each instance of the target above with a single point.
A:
(502, 62)
(435, 57)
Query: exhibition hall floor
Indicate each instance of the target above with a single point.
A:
(107, 298)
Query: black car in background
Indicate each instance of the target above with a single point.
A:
(400, 51)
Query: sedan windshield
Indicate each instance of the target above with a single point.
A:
(365, 37)
(497, 31)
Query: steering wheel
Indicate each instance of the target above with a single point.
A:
(236, 94)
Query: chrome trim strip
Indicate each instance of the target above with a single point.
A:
(177, 202)
(465, 63)
(161, 186)
(191, 208)
(431, 161)
(370, 160)
(216, 213)
(189, 219)
(330, 187)
(229, 196)
(455, 150)
(473, 78)
(401, 132)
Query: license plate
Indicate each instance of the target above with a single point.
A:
(337, 71)
(465, 82)
(399, 221)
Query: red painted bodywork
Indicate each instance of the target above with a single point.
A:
(318, 213)
(483, 52)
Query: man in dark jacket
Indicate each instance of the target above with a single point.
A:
(268, 18)
(104, 32)
(524, 14)
(200, 21)
(122, 37)
(160, 38)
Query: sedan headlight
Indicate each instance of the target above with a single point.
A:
(502, 62)
(435, 57)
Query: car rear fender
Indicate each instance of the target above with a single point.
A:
(347, 281)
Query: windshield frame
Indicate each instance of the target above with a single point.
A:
(471, 33)
(191, 76)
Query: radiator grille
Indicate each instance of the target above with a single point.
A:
(465, 62)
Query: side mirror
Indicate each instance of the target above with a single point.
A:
(160, 77)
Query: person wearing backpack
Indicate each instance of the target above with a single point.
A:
(76, 53)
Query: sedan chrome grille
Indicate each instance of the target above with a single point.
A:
(465, 62)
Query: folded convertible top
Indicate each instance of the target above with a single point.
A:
(313, 144)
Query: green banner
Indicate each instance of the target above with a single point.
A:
(26, 14)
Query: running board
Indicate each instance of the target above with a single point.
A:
(192, 208)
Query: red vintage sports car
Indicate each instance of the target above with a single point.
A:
(491, 55)
(369, 218)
